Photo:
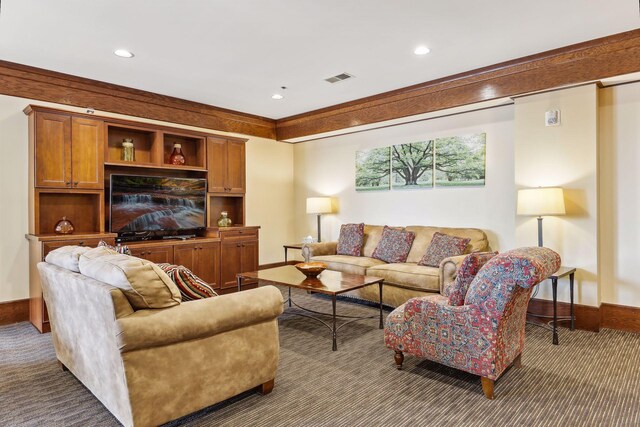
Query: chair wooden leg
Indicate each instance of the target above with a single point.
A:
(399, 358)
(517, 362)
(487, 387)
(64, 368)
(267, 387)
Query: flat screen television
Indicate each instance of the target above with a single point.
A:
(157, 204)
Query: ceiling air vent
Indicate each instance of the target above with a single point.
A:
(339, 78)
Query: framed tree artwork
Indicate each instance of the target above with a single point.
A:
(412, 165)
(373, 169)
(460, 160)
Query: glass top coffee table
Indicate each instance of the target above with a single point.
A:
(332, 283)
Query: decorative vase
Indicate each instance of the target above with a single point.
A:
(177, 158)
(224, 220)
(128, 150)
(64, 226)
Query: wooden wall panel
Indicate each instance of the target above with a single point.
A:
(36, 83)
(596, 59)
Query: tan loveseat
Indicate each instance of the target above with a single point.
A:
(401, 281)
(150, 366)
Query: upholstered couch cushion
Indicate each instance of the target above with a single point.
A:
(394, 245)
(144, 283)
(443, 246)
(347, 263)
(408, 275)
(67, 257)
(372, 236)
(351, 239)
(191, 286)
(424, 234)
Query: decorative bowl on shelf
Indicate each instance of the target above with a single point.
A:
(311, 269)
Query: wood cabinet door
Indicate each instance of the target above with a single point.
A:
(156, 254)
(235, 167)
(230, 264)
(208, 263)
(92, 243)
(53, 150)
(217, 165)
(249, 257)
(185, 255)
(87, 153)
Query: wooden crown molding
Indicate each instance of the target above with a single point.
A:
(588, 61)
(44, 85)
(609, 56)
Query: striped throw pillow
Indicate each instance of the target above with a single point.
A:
(191, 286)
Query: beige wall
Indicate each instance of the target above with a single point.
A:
(564, 156)
(327, 167)
(269, 198)
(620, 194)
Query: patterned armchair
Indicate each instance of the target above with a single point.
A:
(483, 335)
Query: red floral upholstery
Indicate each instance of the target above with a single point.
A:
(486, 334)
(457, 290)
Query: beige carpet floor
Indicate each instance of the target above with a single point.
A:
(590, 379)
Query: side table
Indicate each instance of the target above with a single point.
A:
(562, 272)
(290, 246)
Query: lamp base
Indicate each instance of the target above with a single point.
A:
(319, 230)
(540, 231)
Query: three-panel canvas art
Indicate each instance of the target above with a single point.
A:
(442, 162)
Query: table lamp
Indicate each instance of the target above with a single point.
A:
(319, 206)
(540, 202)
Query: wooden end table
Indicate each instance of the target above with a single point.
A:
(332, 283)
(291, 246)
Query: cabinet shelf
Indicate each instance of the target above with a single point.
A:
(137, 165)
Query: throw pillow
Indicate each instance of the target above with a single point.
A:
(443, 246)
(470, 266)
(394, 246)
(121, 249)
(143, 283)
(67, 257)
(191, 286)
(351, 239)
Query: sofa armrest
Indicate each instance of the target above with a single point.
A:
(198, 319)
(449, 270)
(310, 250)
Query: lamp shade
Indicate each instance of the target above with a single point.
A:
(318, 205)
(541, 201)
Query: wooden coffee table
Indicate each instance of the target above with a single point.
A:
(332, 283)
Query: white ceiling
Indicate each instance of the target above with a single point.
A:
(236, 53)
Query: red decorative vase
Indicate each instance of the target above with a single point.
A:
(177, 158)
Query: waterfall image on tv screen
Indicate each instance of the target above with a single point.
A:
(143, 203)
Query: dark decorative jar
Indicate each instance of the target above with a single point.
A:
(64, 226)
(177, 158)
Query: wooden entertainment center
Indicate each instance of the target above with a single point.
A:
(71, 159)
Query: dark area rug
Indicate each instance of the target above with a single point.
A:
(590, 379)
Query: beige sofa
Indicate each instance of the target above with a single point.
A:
(151, 366)
(401, 281)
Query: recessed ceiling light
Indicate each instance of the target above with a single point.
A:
(277, 96)
(421, 50)
(123, 53)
